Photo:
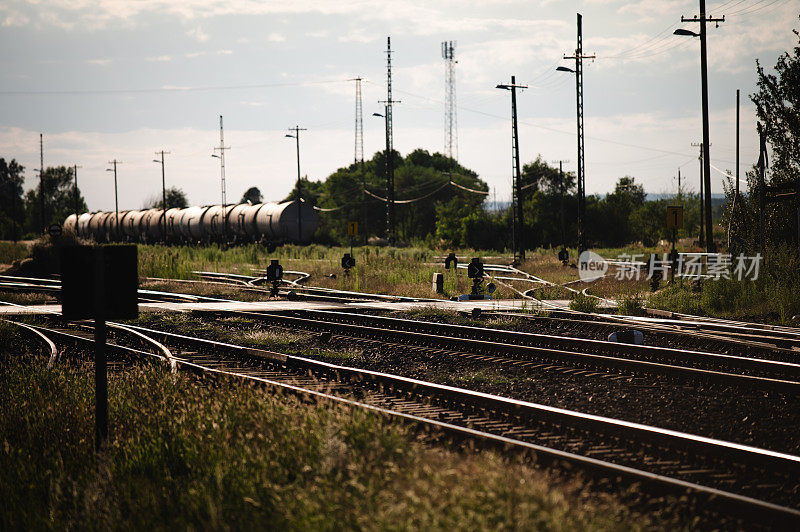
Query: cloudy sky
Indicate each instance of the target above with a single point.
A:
(121, 79)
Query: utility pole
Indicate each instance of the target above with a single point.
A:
(450, 116)
(579, 57)
(296, 136)
(737, 143)
(562, 186)
(702, 195)
(710, 248)
(41, 181)
(389, 144)
(75, 173)
(516, 203)
(116, 197)
(163, 220)
(221, 158)
(679, 183)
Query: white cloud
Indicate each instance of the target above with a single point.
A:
(198, 34)
(159, 59)
(276, 37)
(99, 62)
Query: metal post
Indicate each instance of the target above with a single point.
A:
(520, 241)
(75, 172)
(389, 180)
(296, 136)
(163, 221)
(581, 183)
(116, 197)
(390, 217)
(41, 181)
(702, 204)
(299, 184)
(100, 369)
(737, 142)
(563, 192)
(710, 247)
(516, 206)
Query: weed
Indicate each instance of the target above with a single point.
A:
(184, 454)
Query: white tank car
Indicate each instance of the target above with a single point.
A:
(275, 223)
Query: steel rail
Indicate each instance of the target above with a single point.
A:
(49, 345)
(770, 346)
(765, 374)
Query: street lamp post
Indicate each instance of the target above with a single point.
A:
(389, 177)
(578, 71)
(296, 136)
(516, 203)
(710, 247)
(116, 197)
(163, 220)
(75, 174)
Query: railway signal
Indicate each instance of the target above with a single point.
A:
(274, 276)
(100, 282)
(451, 259)
(348, 261)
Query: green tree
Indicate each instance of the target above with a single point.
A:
(422, 189)
(12, 211)
(58, 187)
(176, 199)
(777, 103)
(252, 195)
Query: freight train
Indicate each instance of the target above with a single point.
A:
(270, 223)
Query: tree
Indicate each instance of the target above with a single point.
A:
(778, 108)
(58, 186)
(777, 103)
(422, 187)
(12, 212)
(176, 199)
(609, 219)
(252, 195)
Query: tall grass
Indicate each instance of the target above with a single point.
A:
(773, 297)
(12, 251)
(184, 455)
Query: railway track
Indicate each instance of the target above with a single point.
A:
(755, 484)
(561, 350)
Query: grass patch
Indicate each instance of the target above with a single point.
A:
(630, 306)
(186, 455)
(774, 297)
(583, 303)
(13, 251)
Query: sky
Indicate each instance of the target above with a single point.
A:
(123, 79)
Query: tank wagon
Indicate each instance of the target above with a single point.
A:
(263, 222)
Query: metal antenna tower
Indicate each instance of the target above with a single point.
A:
(359, 149)
(579, 57)
(516, 190)
(221, 158)
(389, 144)
(450, 116)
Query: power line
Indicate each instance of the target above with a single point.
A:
(167, 89)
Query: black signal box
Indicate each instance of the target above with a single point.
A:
(108, 271)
